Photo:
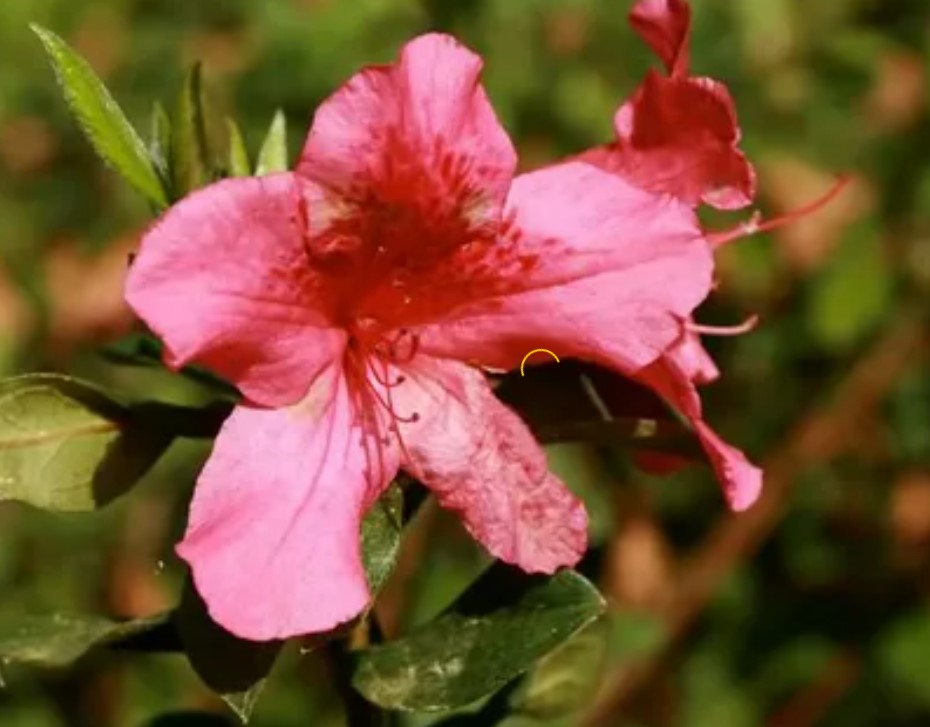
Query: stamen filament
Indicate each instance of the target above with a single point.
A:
(736, 330)
(755, 225)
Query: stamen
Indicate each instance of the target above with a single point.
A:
(388, 404)
(755, 225)
(384, 382)
(736, 330)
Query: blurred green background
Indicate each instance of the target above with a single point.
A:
(812, 609)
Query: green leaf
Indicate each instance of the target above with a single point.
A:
(66, 446)
(381, 532)
(477, 646)
(273, 155)
(235, 669)
(190, 153)
(101, 118)
(238, 161)
(565, 680)
(56, 640)
(160, 141)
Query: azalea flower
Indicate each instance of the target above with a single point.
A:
(354, 302)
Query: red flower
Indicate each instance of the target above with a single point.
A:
(350, 302)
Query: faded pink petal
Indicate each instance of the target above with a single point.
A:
(665, 25)
(222, 279)
(740, 480)
(608, 272)
(273, 536)
(480, 460)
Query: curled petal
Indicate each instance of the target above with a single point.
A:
(665, 25)
(273, 535)
(481, 461)
(221, 278)
(609, 273)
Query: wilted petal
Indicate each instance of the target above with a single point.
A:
(480, 460)
(665, 25)
(222, 279)
(595, 269)
(273, 536)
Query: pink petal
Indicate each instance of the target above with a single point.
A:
(480, 460)
(679, 136)
(740, 480)
(222, 279)
(610, 273)
(273, 537)
(406, 162)
(665, 25)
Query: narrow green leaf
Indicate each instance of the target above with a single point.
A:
(55, 640)
(190, 153)
(273, 155)
(235, 669)
(160, 141)
(66, 446)
(381, 532)
(101, 118)
(238, 161)
(496, 631)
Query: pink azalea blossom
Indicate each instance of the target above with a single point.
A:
(354, 302)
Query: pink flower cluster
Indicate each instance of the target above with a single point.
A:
(355, 300)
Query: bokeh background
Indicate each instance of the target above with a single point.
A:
(812, 609)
